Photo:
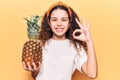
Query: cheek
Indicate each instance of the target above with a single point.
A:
(52, 24)
(67, 25)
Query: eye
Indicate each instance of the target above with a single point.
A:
(64, 20)
(54, 19)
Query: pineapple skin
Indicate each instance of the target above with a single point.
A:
(32, 52)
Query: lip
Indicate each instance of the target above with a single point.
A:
(59, 29)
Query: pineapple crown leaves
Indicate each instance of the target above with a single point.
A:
(33, 26)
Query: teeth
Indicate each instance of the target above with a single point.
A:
(59, 29)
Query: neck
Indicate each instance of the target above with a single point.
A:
(58, 38)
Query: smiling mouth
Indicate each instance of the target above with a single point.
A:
(59, 29)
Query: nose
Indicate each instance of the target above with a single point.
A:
(59, 23)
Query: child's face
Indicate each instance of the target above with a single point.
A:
(59, 23)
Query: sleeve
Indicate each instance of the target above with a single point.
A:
(80, 59)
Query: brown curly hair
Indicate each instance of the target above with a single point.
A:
(46, 32)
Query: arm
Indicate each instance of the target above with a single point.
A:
(90, 66)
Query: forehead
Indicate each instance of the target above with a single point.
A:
(59, 13)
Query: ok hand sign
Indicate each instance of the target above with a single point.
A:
(84, 31)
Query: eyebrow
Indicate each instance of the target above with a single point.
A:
(61, 17)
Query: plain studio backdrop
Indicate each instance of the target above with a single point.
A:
(105, 30)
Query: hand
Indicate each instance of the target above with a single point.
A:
(29, 68)
(84, 31)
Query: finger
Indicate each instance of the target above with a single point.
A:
(39, 66)
(77, 31)
(29, 66)
(39, 63)
(89, 25)
(34, 66)
(24, 66)
(80, 25)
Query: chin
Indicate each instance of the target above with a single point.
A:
(60, 35)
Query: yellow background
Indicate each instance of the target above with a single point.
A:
(105, 30)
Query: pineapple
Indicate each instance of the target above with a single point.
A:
(32, 50)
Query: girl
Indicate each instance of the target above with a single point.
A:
(67, 46)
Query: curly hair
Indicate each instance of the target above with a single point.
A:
(46, 32)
